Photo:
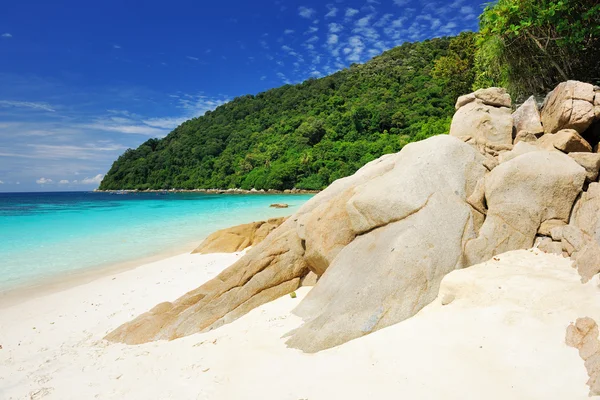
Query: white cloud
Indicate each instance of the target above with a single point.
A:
(466, 10)
(332, 39)
(311, 29)
(448, 27)
(282, 76)
(351, 12)
(26, 104)
(128, 129)
(364, 21)
(116, 46)
(67, 152)
(286, 48)
(306, 12)
(1, 183)
(434, 22)
(262, 78)
(288, 31)
(192, 58)
(92, 181)
(397, 23)
(335, 28)
(166, 122)
(44, 181)
(354, 52)
(64, 182)
(401, 3)
(7, 35)
(383, 21)
(332, 11)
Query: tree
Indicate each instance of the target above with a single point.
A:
(456, 69)
(528, 46)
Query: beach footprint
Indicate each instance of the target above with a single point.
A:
(40, 393)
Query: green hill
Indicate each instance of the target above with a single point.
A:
(306, 135)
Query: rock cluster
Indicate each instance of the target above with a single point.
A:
(237, 238)
(382, 239)
(566, 127)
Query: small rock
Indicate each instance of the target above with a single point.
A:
(527, 117)
(525, 136)
(589, 161)
(279, 205)
(494, 96)
(566, 140)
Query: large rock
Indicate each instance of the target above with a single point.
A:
(527, 118)
(521, 194)
(386, 276)
(270, 270)
(569, 106)
(583, 335)
(407, 240)
(486, 124)
(565, 140)
(586, 213)
(582, 238)
(237, 238)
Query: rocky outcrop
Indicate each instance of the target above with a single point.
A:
(238, 237)
(520, 197)
(486, 118)
(270, 270)
(569, 106)
(583, 335)
(413, 237)
(381, 240)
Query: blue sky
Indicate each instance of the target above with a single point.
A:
(81, 81)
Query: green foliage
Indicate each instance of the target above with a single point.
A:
(310, 134)
(456, 68)
(528, 46)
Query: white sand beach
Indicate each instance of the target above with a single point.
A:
(500, 337)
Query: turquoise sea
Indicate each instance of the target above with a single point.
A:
(44, 235)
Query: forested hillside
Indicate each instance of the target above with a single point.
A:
(303, 136)
(310, 134)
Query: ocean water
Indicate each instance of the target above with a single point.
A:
(45, 235)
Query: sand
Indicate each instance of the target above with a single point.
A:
(501, 336)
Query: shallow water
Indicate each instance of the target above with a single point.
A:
(48, 234)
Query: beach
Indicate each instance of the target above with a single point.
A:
(501, 335)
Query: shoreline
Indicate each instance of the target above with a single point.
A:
(49, 285)
(210, 191)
